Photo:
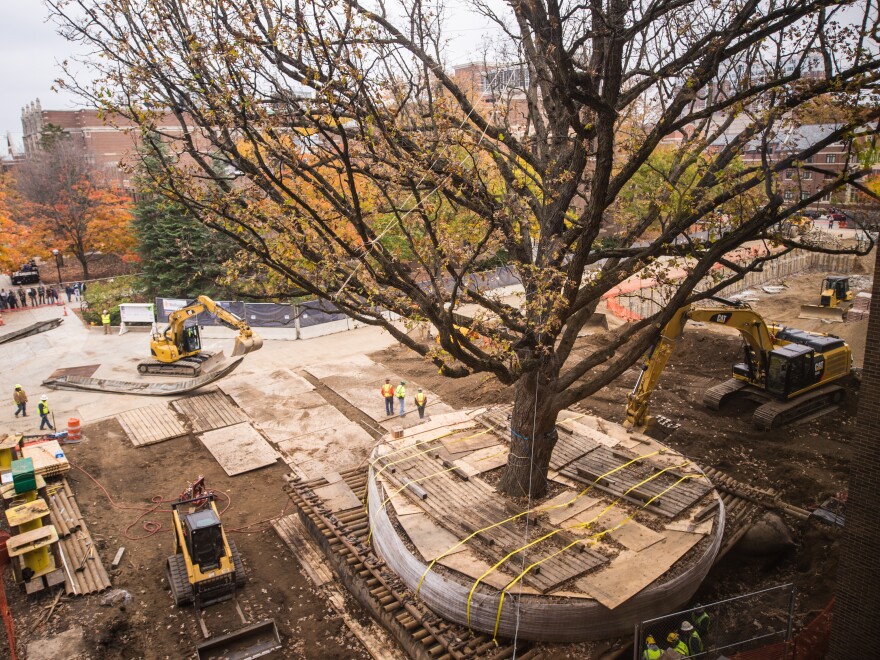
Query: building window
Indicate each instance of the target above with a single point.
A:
(804, 195)
(789, 175)
(808, 159)
(826, 197)
(789, 195)
(806, 175)
(830, 158)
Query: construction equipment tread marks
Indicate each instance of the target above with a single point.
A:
(178, 580)
(237, 564)
(718, 395)
(778, 413)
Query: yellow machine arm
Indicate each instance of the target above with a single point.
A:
(738, 316)
(246, 341)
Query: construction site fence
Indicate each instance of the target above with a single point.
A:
(650, 299)
(318, 317)
(730, 627)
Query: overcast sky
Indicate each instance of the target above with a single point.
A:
(31, 51)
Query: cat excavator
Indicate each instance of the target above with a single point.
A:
(790, 373)
(177, 350)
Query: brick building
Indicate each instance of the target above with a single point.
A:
(501, 88)
(110, 142)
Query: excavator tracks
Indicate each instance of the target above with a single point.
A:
(774, 414)
(191, 366)
(717, 396)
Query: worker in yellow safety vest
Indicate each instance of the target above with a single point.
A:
(652, 651)
(105, 321)
(43, 410)
(400, 393)
(421, 400)
(677, 645)
(388, 394)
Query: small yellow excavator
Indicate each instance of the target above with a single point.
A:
(177, 350)
(835, 290)
(789, 372)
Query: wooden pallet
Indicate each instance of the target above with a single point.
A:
(210, 411)
(151, 424)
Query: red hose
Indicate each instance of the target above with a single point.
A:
(4, 607)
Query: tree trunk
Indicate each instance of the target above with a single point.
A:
(84, 262)
(532, 434)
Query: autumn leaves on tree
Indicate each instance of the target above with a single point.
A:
(336, 148)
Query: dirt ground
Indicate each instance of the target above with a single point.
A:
(806, 463)
(150, 626)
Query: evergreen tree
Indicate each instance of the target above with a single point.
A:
(181, 257)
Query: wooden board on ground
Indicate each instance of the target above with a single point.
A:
(430, 539)
(566, 505)
(48, 457)
(338, 496)
(209, 411)
(151, 424)
(86, 370)
(239, 448)
(337, 448)
(469, 564)
(281, 418)
(484, 460)
(627, 575)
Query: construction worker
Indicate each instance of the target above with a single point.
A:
(691, 637)
(675, 644)
(43, 409)
(105, 321)
(652, 651)
(388, 395)
(20, 398)
(701, 620)
(421, 400)
(400, 393)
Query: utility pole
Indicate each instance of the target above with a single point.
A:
(59, 262)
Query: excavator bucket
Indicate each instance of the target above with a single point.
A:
(830, 314)
(245, 345)
(252, 641)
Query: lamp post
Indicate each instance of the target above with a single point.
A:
(59, 262)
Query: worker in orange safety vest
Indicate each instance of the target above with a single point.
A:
(388, 394)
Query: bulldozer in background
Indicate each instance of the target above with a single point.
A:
(834, 292)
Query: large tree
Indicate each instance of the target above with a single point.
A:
(361, 170)
(67, 204)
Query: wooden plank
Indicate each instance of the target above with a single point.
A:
(631, 572)
(239, 448)
(32, 540)
(338, 496)
(25, 513)
(430, 539)
(151, 424)
(210, 411)
(566, 505)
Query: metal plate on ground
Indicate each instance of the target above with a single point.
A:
(338, 496)
(86, 370)
(239, 448)
(151, 424)
(209, 411)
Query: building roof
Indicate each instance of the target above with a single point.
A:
(796, 138)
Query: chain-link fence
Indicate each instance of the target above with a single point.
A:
(720, 629)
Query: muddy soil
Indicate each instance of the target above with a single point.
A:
(806, 463)
(150, 626)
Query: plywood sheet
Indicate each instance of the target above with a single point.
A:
(338, 496)
(337, 448)
(469, 442)
(629, 573)
(281, 417)
(484, 460)
(430, 539)
(48, 457)
(209, 411)
(559, 509)
(239, 448)
(469, 564)
(151, 424)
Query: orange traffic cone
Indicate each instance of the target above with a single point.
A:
(65, 310)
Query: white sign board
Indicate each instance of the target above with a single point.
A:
(172, 304)
(138, 312)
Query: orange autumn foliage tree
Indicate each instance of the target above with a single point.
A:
(68, 208)
(15, 239)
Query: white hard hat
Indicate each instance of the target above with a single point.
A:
(44, 398)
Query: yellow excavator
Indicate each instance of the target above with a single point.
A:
(835, 290)
(177, 350)
(789, 372)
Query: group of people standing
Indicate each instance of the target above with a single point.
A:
(20, 398)
(685, 642)
(28, 297)
(389, 393)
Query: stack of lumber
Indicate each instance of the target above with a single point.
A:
(861, 307)
(48, 457)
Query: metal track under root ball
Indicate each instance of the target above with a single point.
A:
(778, 413)
(191, 366)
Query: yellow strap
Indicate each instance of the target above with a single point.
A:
(538, 510)
(554, 533)
(594, 539)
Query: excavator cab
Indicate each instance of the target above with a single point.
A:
(204, 538)
(191, 339)
(793, 368)
(835, 290)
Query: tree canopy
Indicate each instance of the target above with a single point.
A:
(358, 167)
